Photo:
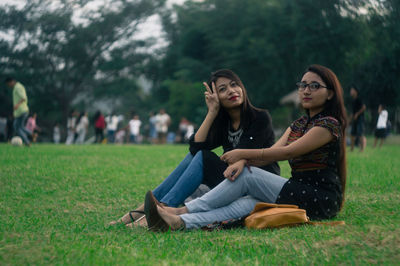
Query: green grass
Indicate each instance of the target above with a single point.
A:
(56, 201)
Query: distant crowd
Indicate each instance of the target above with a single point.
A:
(111, 128)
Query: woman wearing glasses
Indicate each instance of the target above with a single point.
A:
(314, 144)
(231, 122)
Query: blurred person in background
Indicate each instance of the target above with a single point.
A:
(71, 127)
(357, 119)
(3, 129)
(152, 128)
(120, 136)
(10, 127)
(183, 128)
(163, 120)
(381, 130)
(189, 132)
(134, 129)
(99, 126)
(57, 133)
(82, 128)
(33, 127)
(20, 109)
(112, 126)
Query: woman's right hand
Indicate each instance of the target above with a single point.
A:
(212, 99)
(234, 170)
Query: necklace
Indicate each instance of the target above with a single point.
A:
(234, 136)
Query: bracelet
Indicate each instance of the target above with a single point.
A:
(262, 154)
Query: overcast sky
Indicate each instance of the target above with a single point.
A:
(150, 28)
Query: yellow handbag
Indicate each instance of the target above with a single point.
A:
(270, 215)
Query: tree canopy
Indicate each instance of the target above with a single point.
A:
(61, 60)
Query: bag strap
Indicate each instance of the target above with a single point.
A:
(264, 205)
(334, 223)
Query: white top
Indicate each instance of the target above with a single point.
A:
(162, 121)
(190, 131)
(134, 126)
(153, 120)
(71, 122)
(382, 119)
(56, 131)
(112, 122)
(83, 124)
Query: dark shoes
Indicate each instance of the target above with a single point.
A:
(154, 220)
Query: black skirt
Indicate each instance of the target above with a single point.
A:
(318, 192)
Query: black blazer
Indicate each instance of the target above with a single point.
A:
(257, 134)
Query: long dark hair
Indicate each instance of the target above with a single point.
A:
(335, 107)
(247, 110)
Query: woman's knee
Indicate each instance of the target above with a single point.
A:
(244, 176)
(198, 157)
(246, 173)
(199, 154)
(251, 175)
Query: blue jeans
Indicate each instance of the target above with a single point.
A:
(233, 200)
(132, 138)
(19, 127)
(182, 182)
(110, 136)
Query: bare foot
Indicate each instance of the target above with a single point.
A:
(119, 221)
(176, 211)
(141, 222)
(174, 221)
(127, 219)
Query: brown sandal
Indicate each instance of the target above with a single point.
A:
(154, 220)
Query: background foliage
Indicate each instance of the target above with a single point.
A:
(65, 64)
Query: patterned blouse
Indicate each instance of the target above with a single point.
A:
(315, 185)
(325, 156)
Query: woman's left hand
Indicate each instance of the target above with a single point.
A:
(232, 156)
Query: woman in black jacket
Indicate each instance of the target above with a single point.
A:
(231, 122)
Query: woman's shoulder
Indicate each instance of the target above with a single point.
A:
(299, 122)
(331, 123)
(327, 120)
(261, 114)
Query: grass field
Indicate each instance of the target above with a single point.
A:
(56, 201)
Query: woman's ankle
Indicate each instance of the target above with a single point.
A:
(183, 210)
(176, 211)
(173, 220)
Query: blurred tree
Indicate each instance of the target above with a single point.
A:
(267, 43)
(61, 60)
(379, 75)
(186, 100)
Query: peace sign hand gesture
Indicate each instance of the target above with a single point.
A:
(212, 100)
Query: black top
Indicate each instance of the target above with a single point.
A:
(316, 187)
(357, 105)
(256, 134)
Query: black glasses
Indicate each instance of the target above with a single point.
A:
(301, 86)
